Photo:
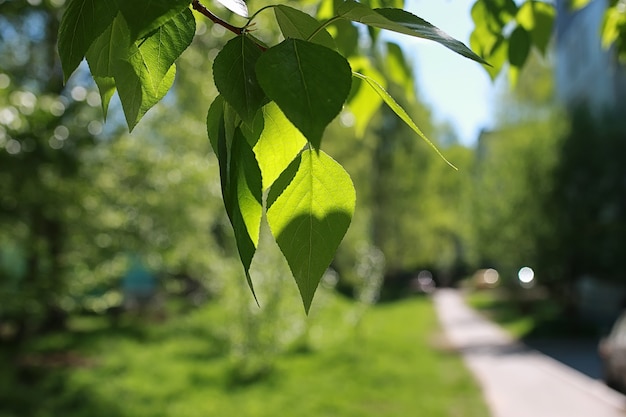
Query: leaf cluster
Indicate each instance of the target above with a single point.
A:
(266, 126)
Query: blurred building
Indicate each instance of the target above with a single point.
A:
(587, 75)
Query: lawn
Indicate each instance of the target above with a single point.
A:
(386, 366)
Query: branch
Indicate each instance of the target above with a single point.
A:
(200, 8)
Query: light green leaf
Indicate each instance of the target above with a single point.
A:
(309, 211)
(398, 110)
(238, 7)
(82, 22)
(493, 15)
(491, 46)
(135, 93)
(147, 74)
(164, 45)
(364, 102)
(537, 18)
(147, 15)
(401, 21)
(309, 82)
(235, 77)
(106, 87)
(275, 141)
(299, 25)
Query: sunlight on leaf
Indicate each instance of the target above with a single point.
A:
(309, 211)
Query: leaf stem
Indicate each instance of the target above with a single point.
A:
(235, 29)
(322, 26)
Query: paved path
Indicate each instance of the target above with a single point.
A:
(518, 381)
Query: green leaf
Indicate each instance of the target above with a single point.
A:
(215, 123)
(309, 211)
(493, 15)
(160, 50)
(147, 15)
(491, 46)
(398, 110)
(82, 22)
(401, 21)
(364, 102)
(241, 181)
(309, 82)
(147, 74)
(235, 77)
(275, 141)
(112, 45)
(519, 47)
(538, 19)
(299, 25)
(238, 7)
(135, 93)
(106, 87)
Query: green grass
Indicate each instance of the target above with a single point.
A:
(387, 366)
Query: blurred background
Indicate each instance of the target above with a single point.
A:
(121, 293)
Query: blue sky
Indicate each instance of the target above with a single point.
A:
(457, 89)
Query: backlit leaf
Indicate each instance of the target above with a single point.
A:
(309, 211)
(537, 18)
(398, 110)
(309, 83)
(401, 21)
(299, 25)
(147, 74)
(275, 141)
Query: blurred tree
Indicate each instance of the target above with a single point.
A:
(45, 126)
(513, 174)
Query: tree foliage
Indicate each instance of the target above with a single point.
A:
(277, 97)
(267, 125)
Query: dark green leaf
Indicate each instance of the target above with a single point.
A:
(82, 22)
(309, 211)
(401, 21)
(146, 15)
(241, 182)
(299, 25)
(519, 47)
(235, 77)
(309, 82)
(112, 45)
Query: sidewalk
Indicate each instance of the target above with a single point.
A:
(517, 381)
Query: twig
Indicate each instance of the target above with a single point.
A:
(200, 8)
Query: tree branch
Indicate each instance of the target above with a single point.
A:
(200, 8)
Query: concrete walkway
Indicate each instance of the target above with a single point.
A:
(518, 381)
